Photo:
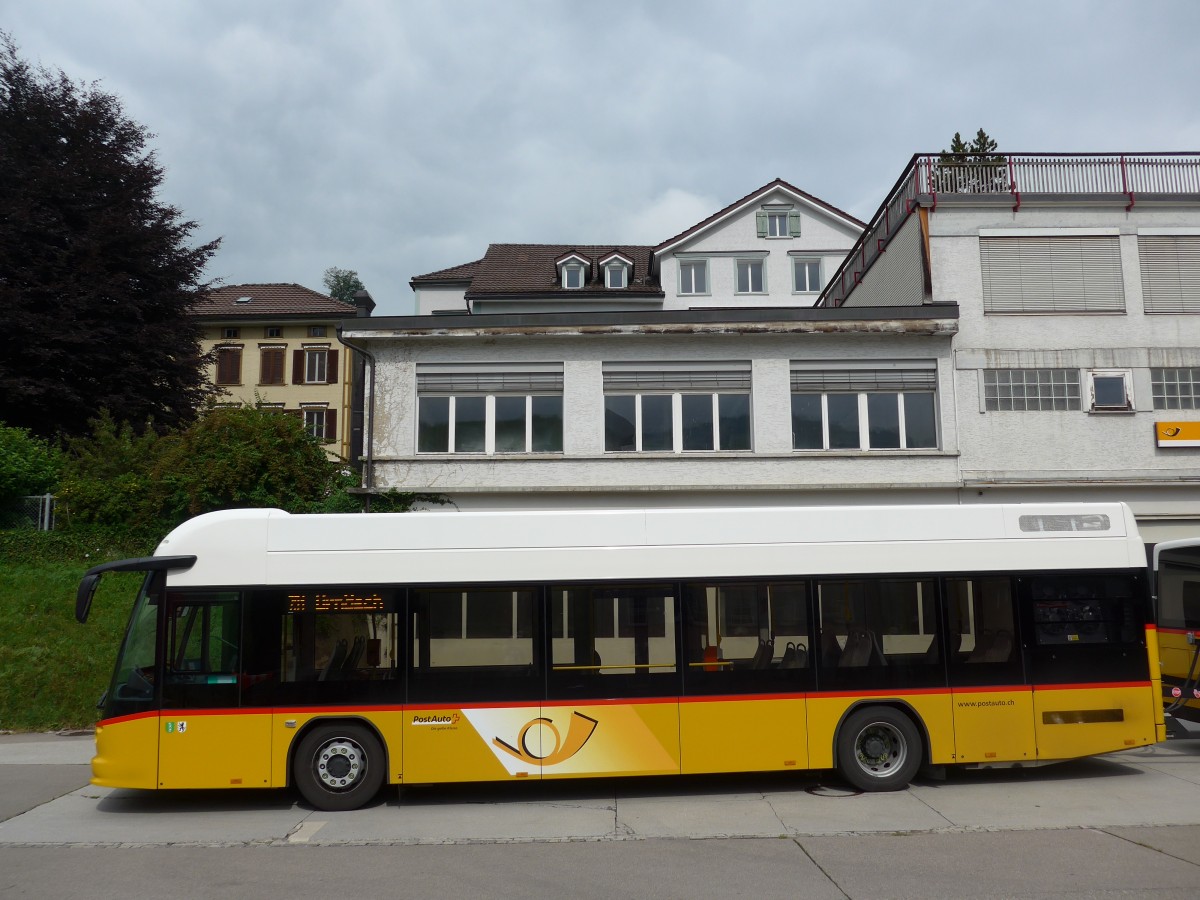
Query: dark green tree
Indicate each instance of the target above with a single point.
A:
(981, 149)
(96, 274)
(342, 284)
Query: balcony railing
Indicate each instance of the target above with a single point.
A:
(1017, 175)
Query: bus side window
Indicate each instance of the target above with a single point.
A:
(869, 624)
(346, 634)
(983, 643)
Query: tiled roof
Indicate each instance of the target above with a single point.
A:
(508, 269)
(777, 183)
(270, 300)
(464, 272)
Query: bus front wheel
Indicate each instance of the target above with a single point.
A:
(339, 767)
(878, 749)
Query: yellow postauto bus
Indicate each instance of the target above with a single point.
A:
(339, 653)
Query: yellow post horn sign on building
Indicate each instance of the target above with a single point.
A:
(1177, 434)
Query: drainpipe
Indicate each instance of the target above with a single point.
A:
(369, 438)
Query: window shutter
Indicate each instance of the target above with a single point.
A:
(331, 424)
(822, 380)
(450, 378)
(297, 367)
(794, 224)
(663, 378)
(229, 366)
(761, 218)
(1170, 272)
(331, 368)
(1069, 274)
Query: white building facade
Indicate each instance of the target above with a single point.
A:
(988, 337)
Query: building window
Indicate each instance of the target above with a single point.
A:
(806, 275)
(751, 276)
(1068, 274)
(316, 331)
(320, 423)
(676, 410)
(1170, 267)
(1175, 388)
(572, 277)
(316, 366)
(230, 333)
(1031, 389)
(471, 409)
(864, 409)
(273, 331)
(271, 363)
(1110, 391)
(778, 223)
(229, 365)
(693, 276)
(615, 276)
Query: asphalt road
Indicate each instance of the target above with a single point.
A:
(1123, 825)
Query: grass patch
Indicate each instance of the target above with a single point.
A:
(52, 669)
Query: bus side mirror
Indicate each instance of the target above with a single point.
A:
(83, 597)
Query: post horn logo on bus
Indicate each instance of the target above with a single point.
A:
(578, 733)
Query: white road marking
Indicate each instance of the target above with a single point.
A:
(304, 833)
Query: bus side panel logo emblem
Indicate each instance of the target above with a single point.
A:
(578, 733)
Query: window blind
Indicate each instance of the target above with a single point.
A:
(1170, 267)
(663, 378)
(436, 378)
(1068, 274)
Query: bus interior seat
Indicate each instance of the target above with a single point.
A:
(877, 657)
(762, 656)
(795, 656)
(353, 657)
(336, 658)
(983, 645)
(831, 651)
(1000, 648)
(858, 650)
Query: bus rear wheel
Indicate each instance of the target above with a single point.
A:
(879, 749)
(339, 767)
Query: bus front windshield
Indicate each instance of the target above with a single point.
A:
(132, 687)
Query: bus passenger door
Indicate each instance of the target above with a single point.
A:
(205, 740)
(613, 687)
(993, 702)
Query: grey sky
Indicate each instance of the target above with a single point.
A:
(397, 138)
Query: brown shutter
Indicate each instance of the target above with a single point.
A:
(229, 366)
(331, 368)
(297, 367)
(272, 367)
(331, 424)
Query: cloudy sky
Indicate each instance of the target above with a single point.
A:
(398, 138)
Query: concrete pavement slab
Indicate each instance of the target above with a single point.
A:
(101, 816)
(1179, 841)
(1074, 862)
(46, 750)
(25, 787)
(414, 821)
(838, 810)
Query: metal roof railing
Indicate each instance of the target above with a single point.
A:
(1017, 175)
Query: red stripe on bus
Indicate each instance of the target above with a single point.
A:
(1176, 630)
(622, 701)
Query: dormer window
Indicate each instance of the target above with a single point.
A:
(617, 267)
(572, 277)
(573, 271)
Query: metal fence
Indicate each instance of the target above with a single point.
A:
(29, 512)
(929, 175)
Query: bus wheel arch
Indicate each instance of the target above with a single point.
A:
(338, 763)
(880, 746)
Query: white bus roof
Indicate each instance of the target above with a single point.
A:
(270, 547)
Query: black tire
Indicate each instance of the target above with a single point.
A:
(339, 767)
(879, 749)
